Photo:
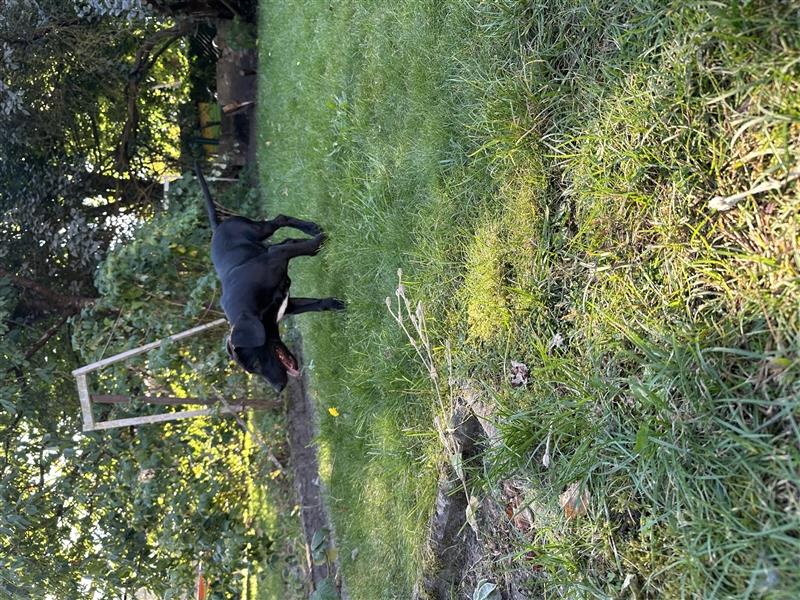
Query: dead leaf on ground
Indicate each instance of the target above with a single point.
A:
(574, 502)
(519, 374)
(556, 342)
(472, 514)
(778, 364)
(523, 520)
(519, 514)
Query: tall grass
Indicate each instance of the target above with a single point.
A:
(542, 173)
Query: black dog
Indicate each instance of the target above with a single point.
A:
(255, 287)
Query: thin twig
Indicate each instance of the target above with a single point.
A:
(723, 203)
(111, 334)
(421, 343)
(255, 434)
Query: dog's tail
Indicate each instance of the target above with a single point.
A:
(210, 205)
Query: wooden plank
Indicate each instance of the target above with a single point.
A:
(146, 348)
(174, 401)
(146, 420)
(86, 402)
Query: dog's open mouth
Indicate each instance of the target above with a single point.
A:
(288, 361)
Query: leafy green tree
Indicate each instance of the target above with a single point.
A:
(95, 260)
(88, 106)
(136, 507)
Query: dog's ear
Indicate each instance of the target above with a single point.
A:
(248, 332)
(232, 354)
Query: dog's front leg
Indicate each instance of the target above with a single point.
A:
(298, 306)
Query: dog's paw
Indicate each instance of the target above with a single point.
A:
(319, 240)
(336, 304)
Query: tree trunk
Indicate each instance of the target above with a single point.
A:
(58, 303)
(128, 193)
(196, 9)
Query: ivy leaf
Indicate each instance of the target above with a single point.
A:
(325, 591)
(9, 406)
(319, 546)
(486, 591)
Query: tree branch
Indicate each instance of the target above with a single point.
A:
(128, 193)
(56, 301)
(145, 59)
(7, 442)
(39, 344)
(197, 9)
(42, 32)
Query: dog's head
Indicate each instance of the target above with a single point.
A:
(272, 360)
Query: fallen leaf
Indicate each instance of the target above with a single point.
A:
(472, 512)
(523, 520)
(574, 502)
(512, 490)
(557, 341)
(486, 590)
(519, 374)
(333, 412)
(779, 364)
(520, 516)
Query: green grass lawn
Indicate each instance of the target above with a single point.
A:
(543, 174)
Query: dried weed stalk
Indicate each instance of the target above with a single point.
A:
(417, 335)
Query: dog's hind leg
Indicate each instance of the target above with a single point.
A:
(292, 247)
(270, 227)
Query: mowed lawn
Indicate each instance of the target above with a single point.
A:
(546, 175)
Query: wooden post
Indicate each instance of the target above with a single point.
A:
(261, 404)
(81, 374)
(146, 348)
(148, 419)
(86, 402)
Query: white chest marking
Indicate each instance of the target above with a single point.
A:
(282, 309)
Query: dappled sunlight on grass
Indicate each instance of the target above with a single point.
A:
(488, 315)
